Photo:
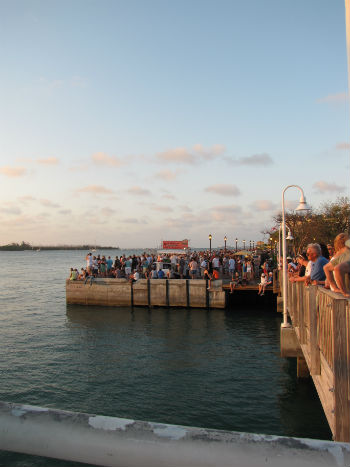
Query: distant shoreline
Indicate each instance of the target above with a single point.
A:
(27, 247)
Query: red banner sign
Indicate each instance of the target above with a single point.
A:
(175, 245)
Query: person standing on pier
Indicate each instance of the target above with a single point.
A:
(193, 268)
(231, 266)
(89, 263)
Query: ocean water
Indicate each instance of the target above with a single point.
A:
(217, 369)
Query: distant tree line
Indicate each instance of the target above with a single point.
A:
(320, 226)
(27, 246)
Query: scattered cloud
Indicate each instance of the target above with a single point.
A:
(48, 203)
(185, 208)
(224, 190)
(26, 199)
(13, 171)
(138, 191)
(333, 98)
(177, 155)
(322, 187)
(79, 168)
(65, 212)
(191, 156)
(343, 146)
(264, 205)
(95, 189)
(228, 209)
(131, 220)
(48, 161)
(168, 175)
(168, 196)
(107, 211)
(53, 84)
(215, 151)
(156, 207)
(260, 160)
(10, 210)
(78, 82)
(100, 158)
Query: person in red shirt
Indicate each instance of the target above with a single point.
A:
(211, 277)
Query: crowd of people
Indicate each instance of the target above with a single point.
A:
(325, 265)
(194, 265)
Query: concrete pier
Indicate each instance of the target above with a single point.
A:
(190, 293)
(118, 442)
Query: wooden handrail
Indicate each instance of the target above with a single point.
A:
(321, 320)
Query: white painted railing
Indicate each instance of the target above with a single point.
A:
(111, 441)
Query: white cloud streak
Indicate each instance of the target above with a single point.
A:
(223, 190)
(323, 187)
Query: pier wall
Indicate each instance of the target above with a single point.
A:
(191, 293)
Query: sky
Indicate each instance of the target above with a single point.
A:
(125, 123)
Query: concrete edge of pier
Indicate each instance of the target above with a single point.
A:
(112, 441)
(190, 293)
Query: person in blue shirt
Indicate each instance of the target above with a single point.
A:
(317, 275)
(109, 263)
(161, 274)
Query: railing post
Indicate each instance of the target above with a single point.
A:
(315, 364)
(295, 304)
(341, 370)
(302, 332)
(348, 343)
(289, 299)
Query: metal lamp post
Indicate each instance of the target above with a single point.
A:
(289, 237)
(236, 243)
(225, 240)
(250, 245)
(302, 207)
(253, 244)
(243, 244)
(210, 237)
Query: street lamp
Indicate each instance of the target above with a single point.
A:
(253, 244)
(302, 207)
(243, 244)
(236, 243)
(210, 237)
(289, 237)
(250, 245)
(271, 246)
(225, 239)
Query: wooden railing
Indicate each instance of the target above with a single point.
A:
(321, 320)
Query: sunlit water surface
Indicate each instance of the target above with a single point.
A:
(215, 369)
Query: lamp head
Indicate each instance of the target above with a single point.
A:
(225, 238)
(210, 237)
(303, 206)
(289, 236)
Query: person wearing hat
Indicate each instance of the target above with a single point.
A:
(304, 268)
(290, 265)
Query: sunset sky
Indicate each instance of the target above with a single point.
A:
(127, 122)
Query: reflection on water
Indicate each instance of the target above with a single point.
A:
(218, 369)
(196, 367)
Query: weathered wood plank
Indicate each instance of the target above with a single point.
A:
(340, 368)
(315, 363)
